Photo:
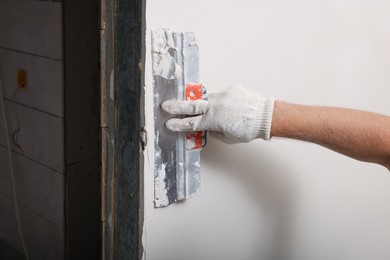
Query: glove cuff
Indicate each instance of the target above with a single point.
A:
(263, 121)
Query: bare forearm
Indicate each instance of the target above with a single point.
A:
(361, 135)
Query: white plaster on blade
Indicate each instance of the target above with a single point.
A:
(178, 71)
(164, 64)
(160, 189)
(170, 42)
(190, 143)
(197, 164)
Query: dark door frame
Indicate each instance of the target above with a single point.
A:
(121, 66)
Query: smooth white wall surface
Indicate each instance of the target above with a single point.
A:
(283, 199)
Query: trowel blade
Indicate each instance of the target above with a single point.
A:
(175, 64)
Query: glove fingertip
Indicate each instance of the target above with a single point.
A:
(169, 106)
(173, 125)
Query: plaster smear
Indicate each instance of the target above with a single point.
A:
(164, 64)
(190, 143)
(160, 188)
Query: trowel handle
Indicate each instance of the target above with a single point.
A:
(195, 140)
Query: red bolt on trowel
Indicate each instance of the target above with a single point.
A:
(195, 140)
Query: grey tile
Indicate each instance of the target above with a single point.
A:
(44, 240)
(40, 135)
(44, 81)
(9, 252)
(32, 26)
(38, 188)
(8, 224)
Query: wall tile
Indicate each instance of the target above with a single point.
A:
(8, 224)
(9, 252)
(44, 240)
(37, 187)
(32, 26)
(44, 81)
(40, 135)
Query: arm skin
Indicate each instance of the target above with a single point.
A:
(358, 134)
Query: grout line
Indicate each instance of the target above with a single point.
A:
(29, 158)
(55, 1)
(34, 108)
(83, 161)
(29, 53)
(32, 210)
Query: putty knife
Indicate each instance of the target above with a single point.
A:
(177, 155)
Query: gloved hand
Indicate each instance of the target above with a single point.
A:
(233, 115)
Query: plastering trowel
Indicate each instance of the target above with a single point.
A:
(177, 155)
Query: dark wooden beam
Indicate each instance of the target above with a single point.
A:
(128, 85)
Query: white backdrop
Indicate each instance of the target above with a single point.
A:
(283, 199)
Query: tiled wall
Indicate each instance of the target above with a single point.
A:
(31, 39)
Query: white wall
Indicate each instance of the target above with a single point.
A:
(283, 199)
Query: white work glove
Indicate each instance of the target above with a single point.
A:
(234, 115)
